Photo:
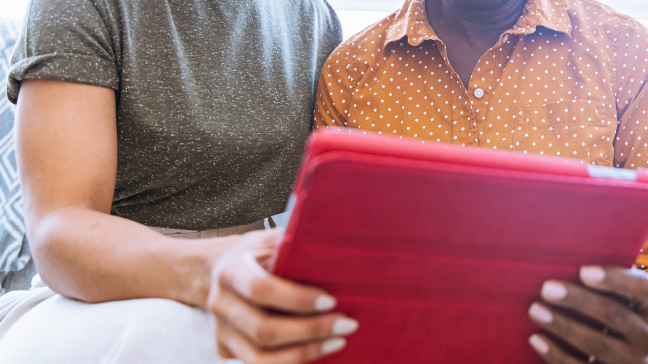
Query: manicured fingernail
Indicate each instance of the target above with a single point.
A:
(553, 291)
(333, 345)
(592, 275)
(540, 313)
(538, 344)
(344, 326)
(325, 303)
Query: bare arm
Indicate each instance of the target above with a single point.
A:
(66, 140)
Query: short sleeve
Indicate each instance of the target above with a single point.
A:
(631, 141)
(66, 40)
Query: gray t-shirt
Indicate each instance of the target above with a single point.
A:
(214, 97)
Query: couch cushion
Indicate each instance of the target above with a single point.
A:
(14, 251)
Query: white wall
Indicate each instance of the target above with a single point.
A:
(12, 8)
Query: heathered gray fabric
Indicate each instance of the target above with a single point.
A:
(215, 97)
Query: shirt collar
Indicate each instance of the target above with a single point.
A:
(411, 21)
(550, 14)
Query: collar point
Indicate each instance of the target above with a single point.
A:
(415, 42)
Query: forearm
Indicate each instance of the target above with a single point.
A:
(96, 257)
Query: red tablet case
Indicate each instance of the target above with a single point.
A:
(439, 250)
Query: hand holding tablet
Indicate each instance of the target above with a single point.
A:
(439, 251)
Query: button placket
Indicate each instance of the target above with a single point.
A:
(482, 86)
(478, 103)
(463, 117)
(457, 103)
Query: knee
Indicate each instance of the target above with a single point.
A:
(147, 330)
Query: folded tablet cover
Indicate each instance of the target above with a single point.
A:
(438, 250)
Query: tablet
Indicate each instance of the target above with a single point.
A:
(439, 250)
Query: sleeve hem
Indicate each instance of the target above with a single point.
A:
(62, 67)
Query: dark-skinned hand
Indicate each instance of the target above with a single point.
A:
(596, 300)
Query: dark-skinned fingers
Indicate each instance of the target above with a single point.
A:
(267, 330)
(248, 278)
(609, 312)
(582, 337)
(550, 352)
(631, 284)
(249, 354)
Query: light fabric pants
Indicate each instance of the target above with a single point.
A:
(39, 326)
(60, 330)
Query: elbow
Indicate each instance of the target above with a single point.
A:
(57, 258)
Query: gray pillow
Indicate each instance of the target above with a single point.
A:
(14, 250)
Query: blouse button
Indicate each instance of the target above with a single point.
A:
(479, 93)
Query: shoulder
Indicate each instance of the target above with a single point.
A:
(592, 17)
(359, 52)
(313, 15)
(616, 39)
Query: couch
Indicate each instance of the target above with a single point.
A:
(16, 266)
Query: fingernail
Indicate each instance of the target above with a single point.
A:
(333, 345)
(592, 275)
(540, 313)
(538, 344)
(553, 291)
(344, 326)
(325, 303)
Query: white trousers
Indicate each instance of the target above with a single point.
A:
(39, 326)
(63, 331)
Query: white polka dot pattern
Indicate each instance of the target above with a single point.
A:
(567, 80)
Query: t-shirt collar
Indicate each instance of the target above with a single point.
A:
(411, 21)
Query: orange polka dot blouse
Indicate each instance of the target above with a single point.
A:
(568, 79)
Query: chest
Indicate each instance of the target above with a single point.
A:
(210, 86)
(463, 58)
(538, 95)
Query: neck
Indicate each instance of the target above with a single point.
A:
(474, 20)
